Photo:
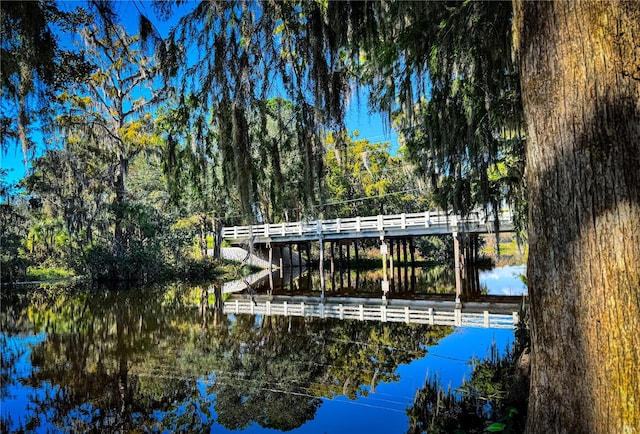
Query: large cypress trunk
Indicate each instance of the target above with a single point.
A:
(581, 96)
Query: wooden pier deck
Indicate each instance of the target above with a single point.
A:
(396, 225)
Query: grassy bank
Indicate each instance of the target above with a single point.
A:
(510, 252)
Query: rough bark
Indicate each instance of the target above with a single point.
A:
(581, 95)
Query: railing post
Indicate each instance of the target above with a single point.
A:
(453, 222)
(358, 224)
(427, 220)
(403, 221)
(338, 225)
(235, 232)
(380, 225)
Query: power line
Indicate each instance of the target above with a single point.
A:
(371, 197)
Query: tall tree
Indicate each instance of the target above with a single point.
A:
(111, 111)
(581, 94)
(580, 66)
(72, 186)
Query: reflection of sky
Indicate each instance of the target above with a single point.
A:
(504, 280)
(16, 397)
(382, 411)
(385, 410)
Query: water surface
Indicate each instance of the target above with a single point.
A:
(163, 358)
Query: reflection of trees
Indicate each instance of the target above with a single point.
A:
(115, 360)
(264, 374)
(360, 355)
(276, 370)
(10, 324)
(496, 392)
(420, 280)
(439, 279)
(97, 344)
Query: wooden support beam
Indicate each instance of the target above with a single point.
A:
(333, 270)
(391, 258)
(321, 266)
(404, 251)
(383, 252)
(291, 256)
(412, 251)
(281, 261)
(457, 270)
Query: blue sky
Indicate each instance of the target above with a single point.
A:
(369, 126)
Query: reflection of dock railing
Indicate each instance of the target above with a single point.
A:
(434, 313)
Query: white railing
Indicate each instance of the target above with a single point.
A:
(429, 221)
(383, 313)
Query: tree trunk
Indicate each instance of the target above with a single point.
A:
(120, 239)
(580, 78)
(217, 238)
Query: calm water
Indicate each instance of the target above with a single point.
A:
(154, 360)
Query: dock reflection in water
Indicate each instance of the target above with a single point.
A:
(405, 282)
(426, 297)
(177, 358)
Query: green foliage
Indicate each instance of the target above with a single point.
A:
(436, 249)
(13, 230)
(236, 51)
(444, 74)
(226, 145)
(33, 66)
(41, 274)
(363, 178)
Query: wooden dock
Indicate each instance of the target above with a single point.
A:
(390, 229)
(396, 225)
